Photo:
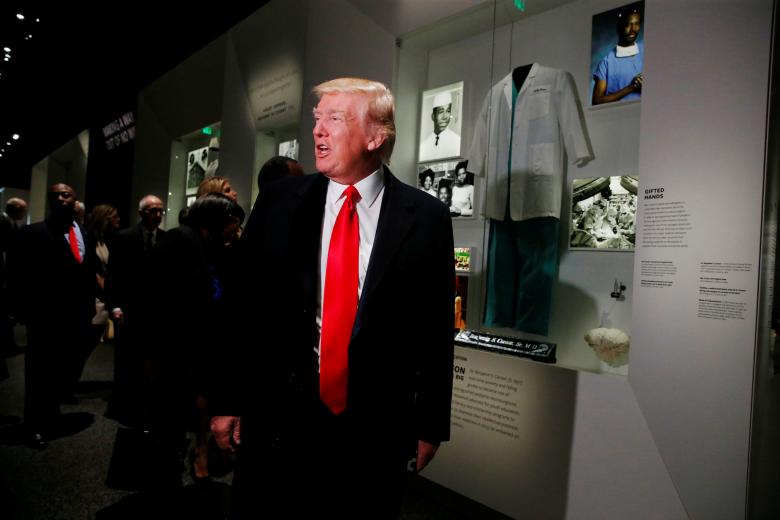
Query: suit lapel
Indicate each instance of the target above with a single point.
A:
(395, 220)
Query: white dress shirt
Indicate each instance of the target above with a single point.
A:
(547, 118)
(371, 190)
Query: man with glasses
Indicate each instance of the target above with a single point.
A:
(127, 289)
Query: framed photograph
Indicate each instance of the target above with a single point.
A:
(452, 183)
(617, 54)
(197, 162)
(461, 301)
(603, 213)
(440, 123)
(463, 259)
(289, 149)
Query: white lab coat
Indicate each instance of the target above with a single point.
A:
(547, 118)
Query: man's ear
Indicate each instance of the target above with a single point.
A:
(376, 140)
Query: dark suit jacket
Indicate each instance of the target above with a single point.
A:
(400, 355)
(128, 270)
(50, 286)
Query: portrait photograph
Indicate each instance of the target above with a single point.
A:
(603, 213)
(197, 162)
(617, 54)
(451, 183)
(440, 123)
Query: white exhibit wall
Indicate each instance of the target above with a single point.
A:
(186, 98)
(237, 140)
(693, 349)
(672, 441)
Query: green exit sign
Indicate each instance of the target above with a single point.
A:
(209, 131)
(520, 4)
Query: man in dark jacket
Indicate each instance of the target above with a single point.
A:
(51, 279)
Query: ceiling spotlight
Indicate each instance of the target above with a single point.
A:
(15, 137)
(5, 59)
(37, 20)
(7, 49)
(29, 36)
(20, 16)
(8, 143)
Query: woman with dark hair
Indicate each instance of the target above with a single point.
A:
(191, 267)
(103, 226)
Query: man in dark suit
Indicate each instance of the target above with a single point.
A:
(128, 290)
(351, 276)
(53, 282)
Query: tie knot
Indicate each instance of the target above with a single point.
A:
(351, 196)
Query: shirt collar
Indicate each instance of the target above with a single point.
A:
(625, 52)
(369, 188)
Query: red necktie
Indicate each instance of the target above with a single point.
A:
(74, 243)
(339, 303)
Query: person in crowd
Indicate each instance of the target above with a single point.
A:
(127, 294)
(10, 222)
(217, 184)
(79, 213)
(277, 168)
(315, 411)
(462, 192)
(426, 182)
(618, 76)
(54, 285)
(102, 230)
(191, 263)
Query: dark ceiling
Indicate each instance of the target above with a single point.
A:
(85, 62)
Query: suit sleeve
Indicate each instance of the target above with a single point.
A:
(434, 376)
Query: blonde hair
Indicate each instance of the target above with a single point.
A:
(213, 184)
(381, 106)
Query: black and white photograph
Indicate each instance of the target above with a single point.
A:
(289, 149)
(603, 214)
(440, 123)
(197, 162)
(617, 54)
(452, 183)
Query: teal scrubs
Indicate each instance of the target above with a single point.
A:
(522, 260)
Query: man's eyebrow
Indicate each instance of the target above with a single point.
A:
(328, 112)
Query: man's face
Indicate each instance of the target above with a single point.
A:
(444, 195)
(441, 118)
(62, 199)
(151, 215)
(342, 144)
(461, 176)
(630, 29)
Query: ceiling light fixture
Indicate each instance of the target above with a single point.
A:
(7, 49)
(37, 20)
(20, 16)
(15, 137)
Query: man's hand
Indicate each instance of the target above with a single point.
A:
(636, 83)
(227, 431)
(425, 453)
(117, 315)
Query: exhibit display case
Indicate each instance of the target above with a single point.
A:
(494, 109)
